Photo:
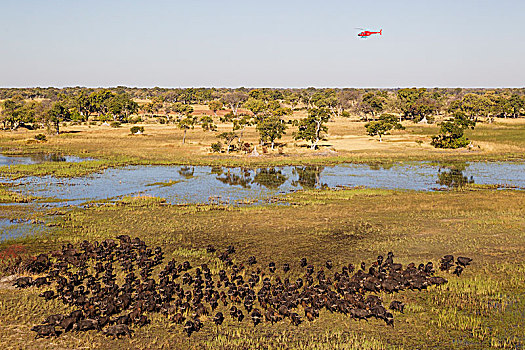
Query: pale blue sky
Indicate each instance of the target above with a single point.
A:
(231, 43)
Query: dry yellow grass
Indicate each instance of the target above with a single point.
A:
(346, 139)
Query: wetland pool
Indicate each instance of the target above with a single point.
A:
(38, 158)
(204, 184)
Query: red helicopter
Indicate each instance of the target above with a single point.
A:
(365, 33)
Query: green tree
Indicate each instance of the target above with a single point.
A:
(97, 101)
(516, 104)
(291, 98)
(271, 128)
(500, 106)
(307, 95)
(186, 124)
(383, 126)
(207, 123)
(228, 137)
(82, 103)
(416, 104)
(215, 106)
(13, 112)
(241, 122)
(256, 106)
(57, 114)
(275, 109)
(472, 105)
(371, 103)
(181, 109)
(121, 106)
(452, 132)
(311, 128)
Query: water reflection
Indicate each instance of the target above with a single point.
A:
(230, 178)
(453, 177)
(217, 170)
(269, 178)
(196, 184)
(187, 172)
(381, 166)
(308, 177)
(38, 158)
(47, 157)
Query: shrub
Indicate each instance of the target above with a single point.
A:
(134, 120)
(103, 117)
(77, 117)
(115, 124)
(41, 137)
(216, 147)
(228, 117)
(449, 141)
(137, 129)
(452, 133)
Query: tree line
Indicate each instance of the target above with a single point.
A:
(267, 108)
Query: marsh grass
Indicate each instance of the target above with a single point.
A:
(7, 196)
(483, 308)
(338, 340)
(141, 201)
(60, 169)
(164, 184)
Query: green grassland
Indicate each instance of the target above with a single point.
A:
(483, 308)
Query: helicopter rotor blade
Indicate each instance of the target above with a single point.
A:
(360, 28)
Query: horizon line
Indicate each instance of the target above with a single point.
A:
(261, 87)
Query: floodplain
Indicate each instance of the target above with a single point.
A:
(352, 223)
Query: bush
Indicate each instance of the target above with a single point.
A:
(77, 117)
(137, 129)
(452, 132)
(41, 137)
(163, 120)
(228, 117)
(449, 141)
(134, 120)
(216, 147)
(115, 124)
(104, 117)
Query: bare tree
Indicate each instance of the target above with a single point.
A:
(234, 100)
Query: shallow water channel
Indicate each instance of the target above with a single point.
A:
(11, 228)
(202, 184)
(38, 158)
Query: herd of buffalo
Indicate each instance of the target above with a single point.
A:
(111, 287)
